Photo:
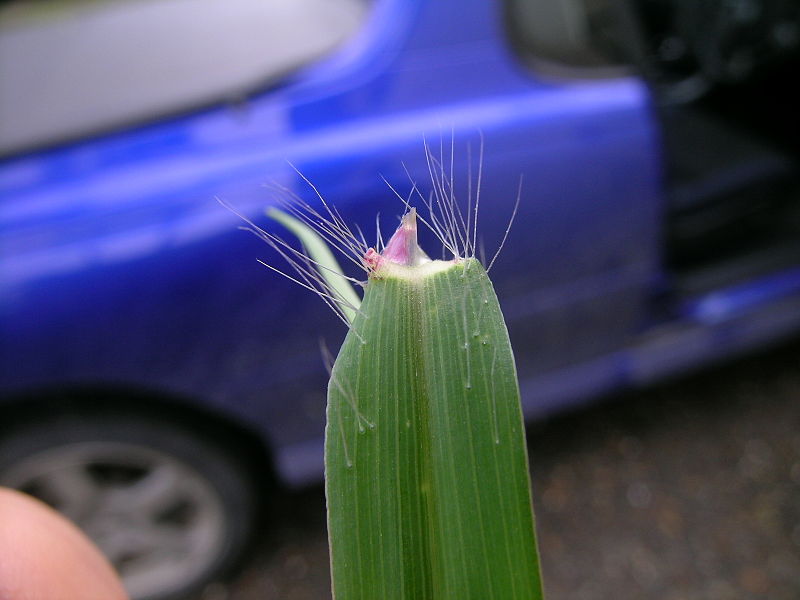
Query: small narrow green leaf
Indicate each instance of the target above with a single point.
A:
(326, 264)
(426, 465)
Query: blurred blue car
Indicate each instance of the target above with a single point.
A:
(156, 380)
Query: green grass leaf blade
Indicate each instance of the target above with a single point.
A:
(327, 265)
(426, 467)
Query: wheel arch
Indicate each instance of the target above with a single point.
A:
(234, 437)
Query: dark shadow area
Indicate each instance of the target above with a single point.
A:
(687, 490)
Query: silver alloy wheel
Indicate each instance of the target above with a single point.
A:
(159, 521)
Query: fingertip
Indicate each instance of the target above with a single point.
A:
(43, 555)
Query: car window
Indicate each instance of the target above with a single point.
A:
(74, 67)
(582, 38)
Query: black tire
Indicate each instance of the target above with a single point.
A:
(175, 484)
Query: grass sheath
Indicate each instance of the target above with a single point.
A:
(426, 470)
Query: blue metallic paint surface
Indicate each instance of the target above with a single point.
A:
(121, 269)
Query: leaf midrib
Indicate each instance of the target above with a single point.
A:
(421, 393)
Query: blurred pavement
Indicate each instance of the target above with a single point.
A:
(687, 491)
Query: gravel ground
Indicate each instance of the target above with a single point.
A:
(690, 490)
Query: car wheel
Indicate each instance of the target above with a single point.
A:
(170, 510)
